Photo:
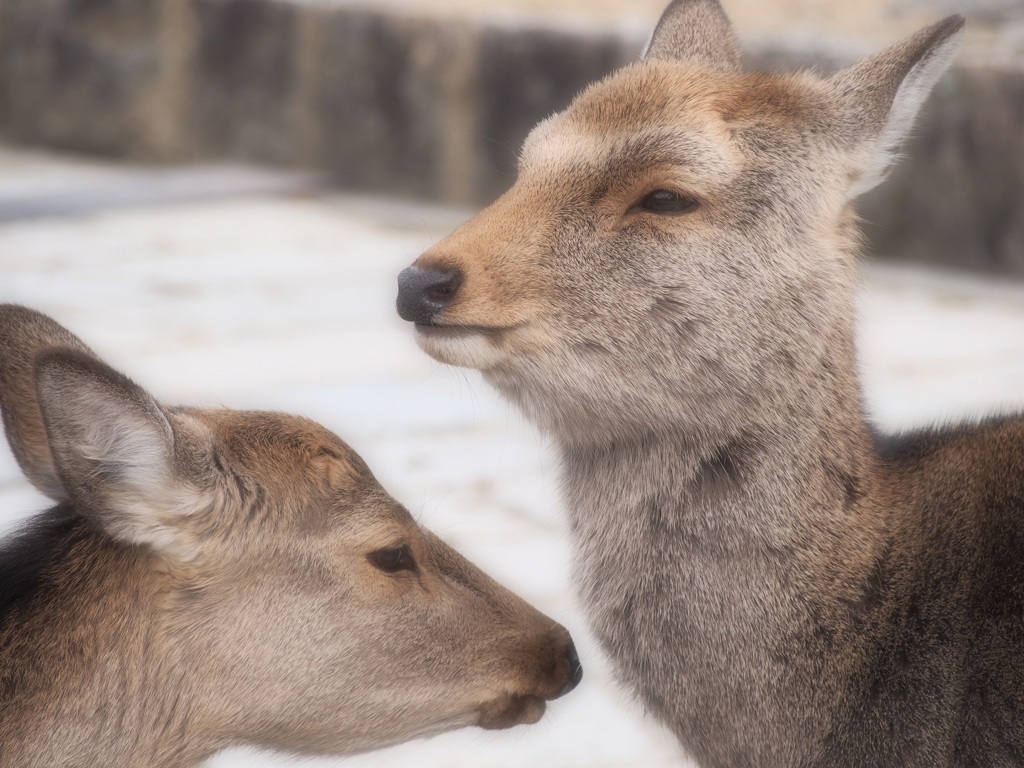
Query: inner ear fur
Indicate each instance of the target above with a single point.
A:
(113, 448)
(697, 32)
(879, 98)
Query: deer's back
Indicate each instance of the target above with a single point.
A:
(65, 599)
(945, 682)
(28, 557)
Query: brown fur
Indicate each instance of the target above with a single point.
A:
(207, 580)
(778, 584)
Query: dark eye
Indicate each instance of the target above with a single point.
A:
(393, 560)
(664, 202)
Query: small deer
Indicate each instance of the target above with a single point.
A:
(212, 578)
(668, 291)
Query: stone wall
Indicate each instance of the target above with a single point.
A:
(400, 101)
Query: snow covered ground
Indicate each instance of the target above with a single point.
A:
(287, 302)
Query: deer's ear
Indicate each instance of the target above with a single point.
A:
(697, 32)
(23, 334)
(113, 448)
(879, 98)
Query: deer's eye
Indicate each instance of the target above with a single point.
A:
(393, 560)
(664, 202)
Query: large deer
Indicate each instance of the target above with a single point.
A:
(211, 578)
(668, 291)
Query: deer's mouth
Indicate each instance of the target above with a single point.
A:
(470, 346)
(509, 711)
(441, 330)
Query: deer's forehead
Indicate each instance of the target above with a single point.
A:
(602, 160)
(710, 124)
(630, 123)
(279, 449)
(653, 93)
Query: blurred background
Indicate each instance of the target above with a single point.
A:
(217, 196)
(431, 99)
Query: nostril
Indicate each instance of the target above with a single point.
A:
(575, 668)
(444, 289)
(422, 293)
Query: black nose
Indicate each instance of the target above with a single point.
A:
(422, 293)
(575, 668)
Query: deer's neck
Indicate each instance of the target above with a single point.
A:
(86, 659)
(719, 572)
(781, 477)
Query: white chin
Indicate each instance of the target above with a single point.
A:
(467, 349)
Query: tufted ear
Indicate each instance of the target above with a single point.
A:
(113, 448)
(879, 98)
(698, 32)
